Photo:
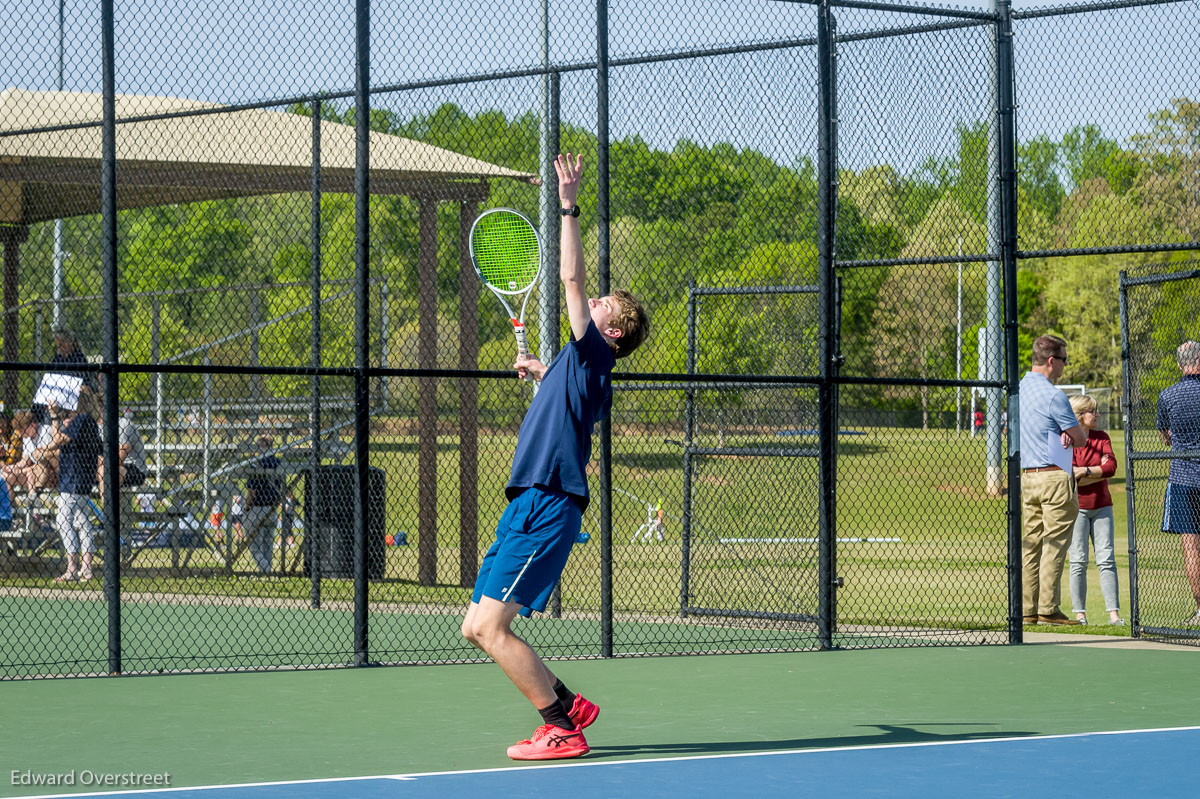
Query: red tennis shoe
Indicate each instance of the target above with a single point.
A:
(550, 743)
(583, 712)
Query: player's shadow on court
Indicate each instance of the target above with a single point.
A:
(889, 734)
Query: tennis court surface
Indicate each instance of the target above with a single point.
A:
(1063, 719)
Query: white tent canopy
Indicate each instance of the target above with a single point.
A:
(56, 173)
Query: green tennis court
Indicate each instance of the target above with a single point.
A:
(224, 729)
(55, 631)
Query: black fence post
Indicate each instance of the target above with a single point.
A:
(312, 535)
(108, 255)
(362, 321)
(689, 432)
(1130, 481)
(606, 599)
(551, 247)
(1007, 143)
(828, 355)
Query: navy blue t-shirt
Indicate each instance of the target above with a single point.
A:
(1179, 412)
(555, 442)
(79, 457)
(265, 486)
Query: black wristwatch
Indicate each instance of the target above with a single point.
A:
(572, 211)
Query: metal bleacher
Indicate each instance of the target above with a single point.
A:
(199, 453)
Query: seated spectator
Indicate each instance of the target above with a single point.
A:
(11, 446)
(16, 441)
(130, 449)
(6, 508)
(288, 518)
(31, 472)
(5, 436)
(237, 510)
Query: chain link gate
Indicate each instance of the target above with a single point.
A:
(926, 541)
(750, 552)
(1159, 350)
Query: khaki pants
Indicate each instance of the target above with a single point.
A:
(1049, 507)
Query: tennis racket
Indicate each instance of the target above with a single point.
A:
(507, 256)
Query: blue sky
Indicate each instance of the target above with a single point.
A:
(900, 98)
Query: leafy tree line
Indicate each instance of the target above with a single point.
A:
(716, 215)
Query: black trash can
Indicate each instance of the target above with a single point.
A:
(336, 487)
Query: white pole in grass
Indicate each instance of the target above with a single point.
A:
(958, 351)
(992, 368)
(57, 285)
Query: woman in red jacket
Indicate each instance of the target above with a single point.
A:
(1094, 464)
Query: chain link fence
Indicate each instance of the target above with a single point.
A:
(238, 237)
(1159, 303)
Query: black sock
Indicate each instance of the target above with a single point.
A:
(564, 696)
(554, 714)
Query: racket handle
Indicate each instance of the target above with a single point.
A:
(522, 344)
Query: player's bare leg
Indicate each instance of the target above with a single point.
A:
(1191, 564)
(487, 626)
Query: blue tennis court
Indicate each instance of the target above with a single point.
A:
(1067, 765)
(1091, 719)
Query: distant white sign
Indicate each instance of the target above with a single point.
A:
(60, 390)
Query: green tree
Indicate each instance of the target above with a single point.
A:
(1079, 295)
(1038, 176)
(915, 320)
(965, 174)
(1086, 154)
(183, 247)
(1169, 184)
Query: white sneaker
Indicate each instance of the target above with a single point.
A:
(1193, 621)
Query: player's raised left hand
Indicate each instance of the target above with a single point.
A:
(569, 172)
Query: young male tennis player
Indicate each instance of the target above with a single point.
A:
(548, 489)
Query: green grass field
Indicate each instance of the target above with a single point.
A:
(945, 572)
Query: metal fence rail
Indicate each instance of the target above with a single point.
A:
(248, 230)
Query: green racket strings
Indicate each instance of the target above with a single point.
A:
(506, 251)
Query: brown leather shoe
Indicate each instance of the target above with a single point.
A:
(1058, 618)
(1029, 619)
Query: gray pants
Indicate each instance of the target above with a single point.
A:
(1096, 525)
(74, 523)
(260, 531)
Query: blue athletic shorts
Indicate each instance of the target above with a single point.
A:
(533, 540)
(1181, 513)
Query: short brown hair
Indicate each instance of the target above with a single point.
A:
(22, 419)
(631, 320)
(89, 403)
(1046, 347)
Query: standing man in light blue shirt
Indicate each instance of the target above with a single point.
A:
(1048, 499)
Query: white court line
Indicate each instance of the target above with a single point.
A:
(594, 764)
